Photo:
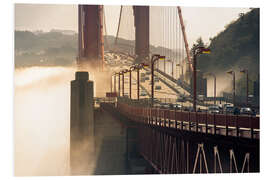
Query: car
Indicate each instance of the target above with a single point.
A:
(134, 82)
(225, 105)
(164, 106)
(158, 88)
(157, 105)
(246, 111)
(181, 99)
(200, 97)
(156, 79)
(213, 110)
(143, 93)
(146, 78)
(229, 109)
(175, 106)
(236, 111)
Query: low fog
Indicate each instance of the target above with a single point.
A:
(41, 119)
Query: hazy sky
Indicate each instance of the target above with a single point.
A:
(204, 22)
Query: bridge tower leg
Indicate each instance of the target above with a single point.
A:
(81, 124)
(90, 39)
(141, 20)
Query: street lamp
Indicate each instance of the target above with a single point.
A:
(211, 74)
(181, 70)
(118, 83)
(130, 83)
(246, 71)
(233, 74)
(154, 58)
(196, 52)
(171, 61)
(111, 83)
(123, 81)
(138, 67)
(114, 84)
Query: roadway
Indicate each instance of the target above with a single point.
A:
(170, 88)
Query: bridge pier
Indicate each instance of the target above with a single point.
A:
(81, 125)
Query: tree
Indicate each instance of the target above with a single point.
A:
(199, 43)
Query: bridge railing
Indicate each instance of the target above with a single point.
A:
(224, 124)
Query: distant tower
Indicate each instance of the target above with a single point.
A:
(90, 35)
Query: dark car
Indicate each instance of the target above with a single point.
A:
(236, 111)
(229, 109)
(158, 88)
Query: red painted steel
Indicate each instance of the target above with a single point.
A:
(151, 115)
(169, 154)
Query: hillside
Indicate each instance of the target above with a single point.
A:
(236, 47)
(48, 49)
(59, 48)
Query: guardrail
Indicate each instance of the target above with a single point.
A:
(222, 124)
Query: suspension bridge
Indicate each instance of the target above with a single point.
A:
(166, 140)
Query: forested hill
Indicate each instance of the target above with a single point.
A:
(236, 47)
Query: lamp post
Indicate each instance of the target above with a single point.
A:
(154, 58)
(130, 84)
(196, 52)
(138, 67)
(114, 82)
(246, 71)
(123, 82)
(171, 61)
(164, 66)
(130, 81)
(179, 74)
(233, 74)
(215, 95)
(138, 83)
(111, 83)
(119, 83)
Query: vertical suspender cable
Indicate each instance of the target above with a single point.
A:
(117, 33)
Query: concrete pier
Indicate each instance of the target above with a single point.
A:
(81, 125)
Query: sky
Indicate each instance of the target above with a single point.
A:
(200, 21)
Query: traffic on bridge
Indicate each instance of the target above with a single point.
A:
(148, 92)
